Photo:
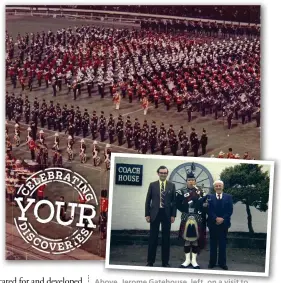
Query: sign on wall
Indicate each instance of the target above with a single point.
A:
(128, 174)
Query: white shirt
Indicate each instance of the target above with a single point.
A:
(217, 195)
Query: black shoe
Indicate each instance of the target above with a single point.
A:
(149, 264)
(166, 265)
(224, 267)
(196, 267)
(210, 265)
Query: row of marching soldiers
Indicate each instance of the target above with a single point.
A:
(39, 150)
(145, 137)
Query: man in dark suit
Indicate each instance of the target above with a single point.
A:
(219, 214)
(160, 207)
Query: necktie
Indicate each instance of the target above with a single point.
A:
(219, 196)
(162, 194)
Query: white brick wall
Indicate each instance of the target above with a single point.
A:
(129, 201)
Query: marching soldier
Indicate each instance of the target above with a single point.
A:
(120, 130)
(102, 126)
(144, 146)
(168, 102)
(189, 112)
(229, 119)
(75, 88)
(179, 103)
(174, 144)
(111, 132)
(130, 136)
(94, 125)
(33, 130)
(204, 141)
(185, 145)
(192, 136)
(85, 126)
(89, 87)
(196, 145)
(153, 137)
(156, 99)
(162, 142)
(54, 85)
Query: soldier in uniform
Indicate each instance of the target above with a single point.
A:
(94, 125)
(156, 99)
(130, 136)
(85, 126)
(143, 145)
(162, 142)
(192, 136)
(204, 141)
(89, 87)
(33, 130)
(192, 203)
(195, 146)
(180, 134)
(75, 88)
(173, 144)
(189, 112)
(229, 119)
(102, 126)
(153, 137)
(120, 130)
(185, 145)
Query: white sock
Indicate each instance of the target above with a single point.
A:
(187, 260)
(193, 260)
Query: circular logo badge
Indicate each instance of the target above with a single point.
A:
(80, 218)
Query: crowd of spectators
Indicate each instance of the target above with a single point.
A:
(235, 13)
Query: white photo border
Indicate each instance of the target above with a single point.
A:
(184, 159)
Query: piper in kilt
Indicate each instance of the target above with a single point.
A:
(190, 201)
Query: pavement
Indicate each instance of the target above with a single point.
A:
(247, 260)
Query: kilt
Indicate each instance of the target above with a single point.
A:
(201, 223)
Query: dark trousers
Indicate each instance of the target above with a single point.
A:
(153, 237)
(218, 235)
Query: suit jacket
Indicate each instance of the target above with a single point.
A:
(152, 203)
(227, 207)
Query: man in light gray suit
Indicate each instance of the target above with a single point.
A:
(160, 207)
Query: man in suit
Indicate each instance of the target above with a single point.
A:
(219, 214)
(160, 207)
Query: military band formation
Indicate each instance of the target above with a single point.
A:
(220, 77)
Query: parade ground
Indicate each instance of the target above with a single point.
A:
(241, 137)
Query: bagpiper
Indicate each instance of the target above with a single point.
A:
(191, 202)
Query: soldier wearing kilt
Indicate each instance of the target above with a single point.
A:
(190, 201)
